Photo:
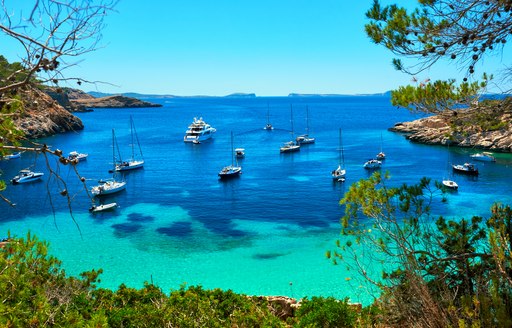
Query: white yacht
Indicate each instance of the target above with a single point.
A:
(107, 187)
(26, 176)
(483, 157)
(198, 131)
(78, 156)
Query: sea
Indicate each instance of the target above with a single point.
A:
(264, 233)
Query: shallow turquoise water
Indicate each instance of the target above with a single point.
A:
(264, 233)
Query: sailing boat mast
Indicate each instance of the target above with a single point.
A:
(291, 118)
(342, 157)
(114, 147)
(307, 120)
(232, 151)
(134, 133)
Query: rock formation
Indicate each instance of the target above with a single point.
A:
(78, 101)
(455, 130)
(112, 102)
(42, 116)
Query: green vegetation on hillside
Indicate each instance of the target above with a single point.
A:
(436, 272)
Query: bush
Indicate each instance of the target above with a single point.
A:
(325, 312)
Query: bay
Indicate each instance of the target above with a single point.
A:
(265, 233)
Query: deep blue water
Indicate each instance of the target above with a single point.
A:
(263, 233)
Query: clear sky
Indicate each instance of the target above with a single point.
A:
(219, 47)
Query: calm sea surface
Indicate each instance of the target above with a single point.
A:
(264, 233)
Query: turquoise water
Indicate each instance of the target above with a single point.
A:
(265, 233)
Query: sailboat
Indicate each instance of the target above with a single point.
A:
(447, 182)
(269, 126)
(381, 156)
(305, 138)
(132, 163)
(290, 146)
(339, 173)
(109, 186)
(232, 170)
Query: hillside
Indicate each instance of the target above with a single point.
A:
(43, 116)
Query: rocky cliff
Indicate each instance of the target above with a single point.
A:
(464, 128)
(43, 116)
(112, 102)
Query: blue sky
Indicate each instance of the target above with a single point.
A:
(267, 47)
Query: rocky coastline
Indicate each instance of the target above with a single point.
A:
(442, 130)
(42, 116)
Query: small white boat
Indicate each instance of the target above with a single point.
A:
(133, 163)
(289, 147)
(102, 207)
(232, 170)
(305, 138)
(269, 126)
(74, 155)
(450, 184)
(483, 157)
(466, 168)
(338, 175)
(372, 164)
(25, 176)
(380, 156)
(239, 152)
(108, 187)
(198, 131)
(13, 155)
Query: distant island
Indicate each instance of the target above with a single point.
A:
(383, 94)
(97, 94)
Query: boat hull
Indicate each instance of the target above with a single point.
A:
(131, 165)
(108, 188)
(230, 172)
(467, 169)
(372, 165)
(483, 158)
(103, 208)
(198, 138)
(35, 176)
(450, 184)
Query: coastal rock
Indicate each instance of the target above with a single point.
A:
(117, 101)
(43, 116)
(439, 130)
(281, 306)
(64, 97)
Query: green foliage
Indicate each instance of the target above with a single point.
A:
(11, 72)
(465, 31)
(326, 312)
(435, 97)
(34, 290)
(440, 272)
